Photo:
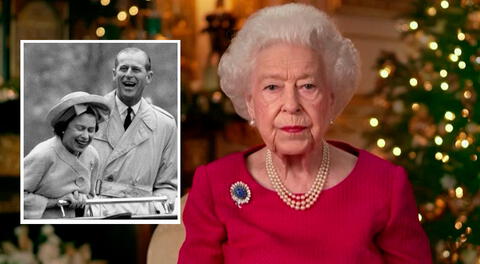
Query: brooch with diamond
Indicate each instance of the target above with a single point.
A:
(240, 193)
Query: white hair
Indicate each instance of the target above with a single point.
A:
(293, 24)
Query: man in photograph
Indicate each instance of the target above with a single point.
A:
(137, 144)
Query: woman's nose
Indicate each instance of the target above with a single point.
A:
(291, 102)
(85, 134)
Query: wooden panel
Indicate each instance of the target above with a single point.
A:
(374, 8)
(9, 155)
(378, 4)
(9, 195)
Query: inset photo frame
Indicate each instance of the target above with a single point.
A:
(100, 132)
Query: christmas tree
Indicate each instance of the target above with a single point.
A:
(429, 121)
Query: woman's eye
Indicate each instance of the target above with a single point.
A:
(270, 87)
(308, 86)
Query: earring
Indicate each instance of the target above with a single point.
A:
(252, 122)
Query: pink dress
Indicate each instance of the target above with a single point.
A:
(369, 217)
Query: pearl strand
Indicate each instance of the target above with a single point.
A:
(299, 201)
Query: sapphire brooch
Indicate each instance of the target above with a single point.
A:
(240, 193)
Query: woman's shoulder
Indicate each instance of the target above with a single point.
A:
(370, 164)
(227, 163)
(372, 176)
(41, 156)
(217, 174)
(44, 148)
(228, 168)
(365, 155)
(377, 165)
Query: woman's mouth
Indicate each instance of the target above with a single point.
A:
(293, 129)
(82, 143)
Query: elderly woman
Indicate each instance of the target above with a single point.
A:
(61, 167)
(298, 198)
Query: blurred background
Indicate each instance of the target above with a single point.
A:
(417, 105)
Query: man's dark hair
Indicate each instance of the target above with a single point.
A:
(148, 65)
(60, 127)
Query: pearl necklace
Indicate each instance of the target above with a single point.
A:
(299, 201)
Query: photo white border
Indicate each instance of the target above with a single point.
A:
(22, 134)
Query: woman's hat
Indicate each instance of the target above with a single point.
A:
(80, 102)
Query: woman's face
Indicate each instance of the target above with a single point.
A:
(289, 99)
(79, 133)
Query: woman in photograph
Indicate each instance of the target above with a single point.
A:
(298, 198)
(62, 167)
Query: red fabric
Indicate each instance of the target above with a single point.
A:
(369, 217)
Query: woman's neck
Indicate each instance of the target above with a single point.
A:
(298, 172)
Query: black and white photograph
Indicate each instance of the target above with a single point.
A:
(100, 132)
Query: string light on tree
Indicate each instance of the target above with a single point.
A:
(373, 122)
(458, 225)
(444, 86)
(413, 82)
(449, 116)
(446, 254)
(460, 35)
(100, 32)
(427, 86)
(444, 4)
(467, 94)
(397, 151)
(457, 51)
(457, 143)
(415, 106)
(104, 2)
(381, 143)
(433, 45)
(133, 10)
(122, 16)
(438, 156)
(465, 112)
(468, 230)
(438, 140)
(431, 11)
(384, 72)
(459, 192)
(448, 127)
(453, 57)
(462, 65)
(445, 158)
(413, 25)
(443, 73)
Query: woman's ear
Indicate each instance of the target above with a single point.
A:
(332, 106)
(250, 107)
